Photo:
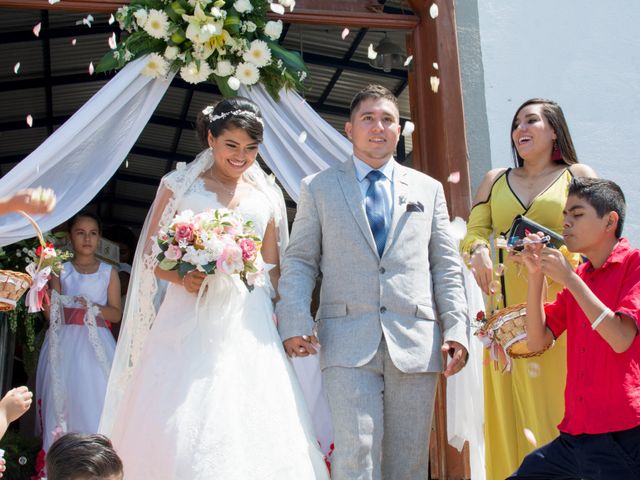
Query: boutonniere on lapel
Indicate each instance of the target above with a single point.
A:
(415, 207)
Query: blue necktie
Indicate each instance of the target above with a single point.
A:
(374, 206)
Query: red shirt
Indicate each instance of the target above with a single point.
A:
(602, 393)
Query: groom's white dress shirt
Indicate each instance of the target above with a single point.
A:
(362, 170)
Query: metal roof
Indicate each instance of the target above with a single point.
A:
(53, 82)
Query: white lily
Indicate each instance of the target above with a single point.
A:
(201, 26)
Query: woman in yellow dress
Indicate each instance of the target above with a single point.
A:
(531, 396)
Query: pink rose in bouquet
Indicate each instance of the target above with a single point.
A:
(173, 253)
(249, 249)
(184, 232)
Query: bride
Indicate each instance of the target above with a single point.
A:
(202, 389)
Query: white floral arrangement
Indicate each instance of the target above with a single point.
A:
(230, 42)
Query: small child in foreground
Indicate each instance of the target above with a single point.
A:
(77, 456)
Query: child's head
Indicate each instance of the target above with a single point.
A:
(594, 212)
(85, 229)
(77, 456)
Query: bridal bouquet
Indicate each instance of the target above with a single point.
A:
(211, 241)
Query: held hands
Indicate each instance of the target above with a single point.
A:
(548, 261)
(192, 281)
(458, 354)
(301, 346)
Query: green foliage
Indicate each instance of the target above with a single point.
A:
(198, 42)
(17, 446)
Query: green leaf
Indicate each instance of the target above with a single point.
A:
(224, 87)
(292, 60)
(168, 264)
(184, 268)
(232, 24)
(107, 63)
(209, 268)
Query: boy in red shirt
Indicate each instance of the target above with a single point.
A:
(600, 310)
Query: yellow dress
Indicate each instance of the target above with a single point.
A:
(532, 395)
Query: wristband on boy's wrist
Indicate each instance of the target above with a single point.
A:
(605, 313)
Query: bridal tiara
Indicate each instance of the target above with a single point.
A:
(241, 113)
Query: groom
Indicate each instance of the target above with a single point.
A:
(391, 299)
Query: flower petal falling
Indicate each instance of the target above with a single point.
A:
(88, 21)
(371, 53)
(73, 42)
(408, 60)
(345, 33)
(36, 29)
(435, 83)
(277, 8)
(530, 437)
(433, 10)
(302, 137)
(533, 369)
(454, 177)
(435, 65)
(16, 68)
(91, 68)
(408, 129)
(30, 120)
(53, 2)
(112, 42)
(112, 19)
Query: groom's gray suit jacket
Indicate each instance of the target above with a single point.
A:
(413, 295)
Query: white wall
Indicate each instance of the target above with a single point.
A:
(585, 56)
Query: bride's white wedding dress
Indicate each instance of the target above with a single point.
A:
(213, 395)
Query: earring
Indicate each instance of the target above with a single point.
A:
(556, 154)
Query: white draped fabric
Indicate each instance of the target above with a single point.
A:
(79, 158)
(285, 149)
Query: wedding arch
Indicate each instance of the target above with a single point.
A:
(107, 126)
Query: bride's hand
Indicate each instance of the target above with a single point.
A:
(192, 281)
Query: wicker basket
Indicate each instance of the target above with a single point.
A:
(14, 284)
(507, 327)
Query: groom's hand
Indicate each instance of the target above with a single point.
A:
(301, 346)
(458, 355)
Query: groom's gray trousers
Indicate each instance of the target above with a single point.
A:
(381, 420)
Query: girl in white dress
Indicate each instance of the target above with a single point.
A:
(203, 389)
(78, 349)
